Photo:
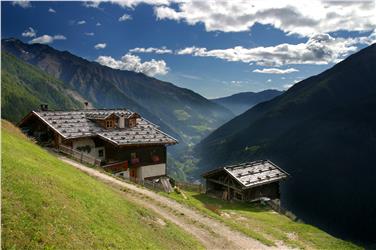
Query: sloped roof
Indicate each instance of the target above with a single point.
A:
(79, 123)
(251, 174)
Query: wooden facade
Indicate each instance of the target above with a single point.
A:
(245, 182)
(121, 140)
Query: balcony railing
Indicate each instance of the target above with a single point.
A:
(79, 155)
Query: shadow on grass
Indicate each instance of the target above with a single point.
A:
(231, 205)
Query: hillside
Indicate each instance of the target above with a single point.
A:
(181, 112)
(322, 131)
(51, 205)
(262, 223)
(24, 87)
(240, 102)
(47, 204)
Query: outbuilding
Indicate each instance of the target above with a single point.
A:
(246, 181)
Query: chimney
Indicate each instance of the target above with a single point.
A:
(122, 122)
(86, 105)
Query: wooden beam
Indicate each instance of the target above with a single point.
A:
(224, 184)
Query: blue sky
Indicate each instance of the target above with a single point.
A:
(215, 48)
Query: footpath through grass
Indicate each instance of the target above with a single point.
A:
(261, 223)
(47, 204)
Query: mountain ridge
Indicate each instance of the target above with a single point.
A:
(25, 86)
(240, 102)
(176, 110)
(325, 123)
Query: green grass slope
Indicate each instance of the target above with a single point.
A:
(24, 87)
(48, 204)
(262, 223)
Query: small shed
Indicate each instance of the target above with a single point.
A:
(246, 181)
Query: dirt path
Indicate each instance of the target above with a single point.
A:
(210, 232)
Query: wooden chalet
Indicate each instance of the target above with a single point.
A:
(246, 181)
(123, 141)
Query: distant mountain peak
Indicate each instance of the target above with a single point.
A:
(240, 102)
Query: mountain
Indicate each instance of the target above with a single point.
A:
(48, 204)
(24, 86)
(240, 102)
(179, 111)
(323, 131)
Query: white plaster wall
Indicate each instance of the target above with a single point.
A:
(95, 152)
(88, 141)
(83, 142)
(151, 170)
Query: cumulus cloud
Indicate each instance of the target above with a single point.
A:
(22, 3)
(91, 4)
(133, 63)
(125, 17)
(275, 71)
(51, 10)
(289, 85)
(98, 24)
(89, 33)
(319, 49)
(100, 46)
(45, 39)
(291, 16)
(162, 50)
(81, 22)
(29, 32)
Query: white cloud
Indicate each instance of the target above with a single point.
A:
(45, 39)
(162, 50)
(29, 32)
(134, 3)
(275, 71)
(287, 86)
(269, 80)
(98, 24)
(100, 46)
(125, 17)
(81, 22)
(22, 3)
(133, 63)
(51, 10)
(91, 4)
(238, 83)
(319, 49)
(291, 16)
(89, 33)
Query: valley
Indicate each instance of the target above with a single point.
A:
(322, 131)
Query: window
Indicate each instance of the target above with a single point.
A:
(109, 124)
(132, 123)
(100, 153)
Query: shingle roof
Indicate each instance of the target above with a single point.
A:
(79, 123)
(254, 173)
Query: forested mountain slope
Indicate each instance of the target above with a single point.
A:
(322, 131)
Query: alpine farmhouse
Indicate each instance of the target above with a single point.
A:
(118, 139)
